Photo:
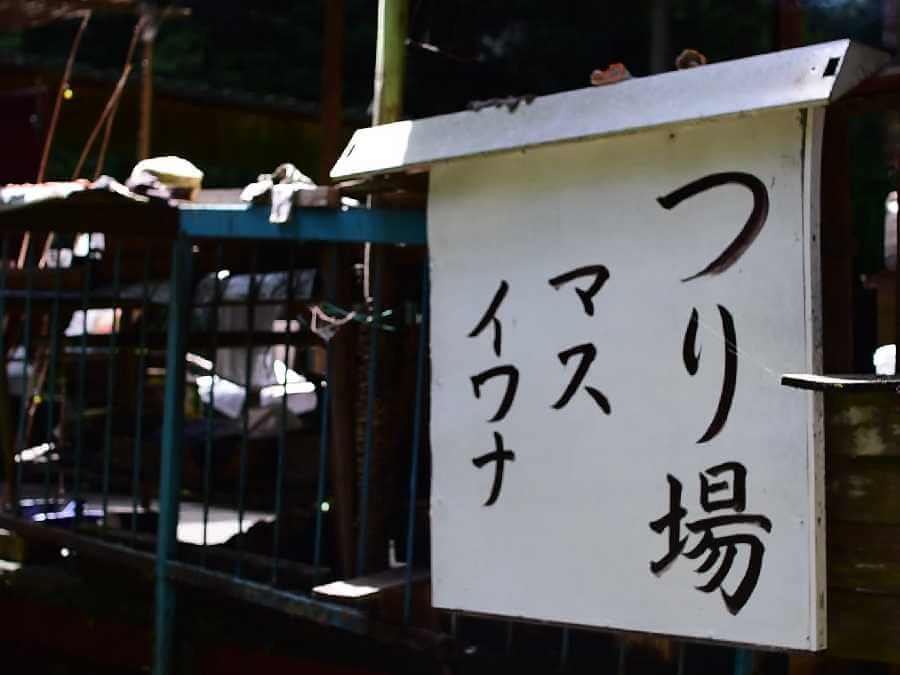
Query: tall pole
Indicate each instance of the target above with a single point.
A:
(788, 24)
(148, 36)
(390, 61)
(170, 461)
(379, 287)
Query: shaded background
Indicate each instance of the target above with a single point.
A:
(238, 85)
(264, 59)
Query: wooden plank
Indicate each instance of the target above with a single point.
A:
(90, 213)
(88, 546)
(862, 424)
(848, 383)
(864, 490)
(380, 595)
(290, 603)
(369, 585)
(864, 558)
(864, 626)
(804, 664)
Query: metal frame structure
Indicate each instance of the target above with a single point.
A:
(182, 230)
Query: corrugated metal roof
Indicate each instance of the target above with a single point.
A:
(795, 78)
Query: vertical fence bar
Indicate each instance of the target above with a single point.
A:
(136, 455)
(26, 357)
(282, 433)
(564, 649)
(6, 423)
(622, 667)
(682, 657)
(170, 465)
(111, 373)
(565, 643)
(210, 410)
(82, 384)
(416, 442)
(372, 380)
(51, 395)
(245, 420)
(743, 662)
(509, 637)
(323, 464)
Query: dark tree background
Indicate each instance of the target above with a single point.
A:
(459, 50)
(244, 77)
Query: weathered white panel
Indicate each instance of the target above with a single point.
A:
(569, 538)
(802, 77)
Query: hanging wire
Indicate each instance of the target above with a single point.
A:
(54, 119)
(739, 351)
(64, 83)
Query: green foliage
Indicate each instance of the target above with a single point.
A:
(11, 42)
(473, 48)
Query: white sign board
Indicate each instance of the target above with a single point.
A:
(611, 443)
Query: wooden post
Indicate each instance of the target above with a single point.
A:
(838, 246)
(387, 107)
(332, 65)
(148, 36)
(788, 24)
(336, 262)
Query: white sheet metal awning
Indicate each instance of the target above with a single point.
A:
(794, 78)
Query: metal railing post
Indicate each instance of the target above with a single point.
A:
(170, 464)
